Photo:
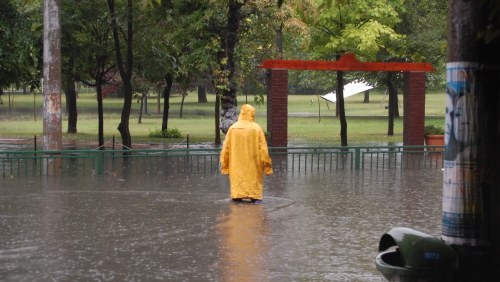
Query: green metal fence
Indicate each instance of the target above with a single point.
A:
(175, 161)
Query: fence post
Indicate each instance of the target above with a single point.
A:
(357, 158)
(35, 149)
(99, 162)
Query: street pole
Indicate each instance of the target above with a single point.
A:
(52, 119)
(471, 199)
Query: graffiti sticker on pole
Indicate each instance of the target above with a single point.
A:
(463, 209)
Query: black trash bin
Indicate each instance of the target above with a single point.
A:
(409, 255)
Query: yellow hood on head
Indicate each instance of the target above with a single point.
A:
(247, 113)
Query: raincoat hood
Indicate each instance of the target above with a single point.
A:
(247, 113)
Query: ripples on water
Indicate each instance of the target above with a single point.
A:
(318, 226)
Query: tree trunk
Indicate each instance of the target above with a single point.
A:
(158, 101)
(124, 127)
(392, 101)
(125, 69)
(227, 95)
(182, 105)
(279, 41)
(340, 105)
(367, 97)
(202, 94)
(396, 103)
(169, 79)
(217, 121)
(141, 108)
(100, 113)
(228, 43)
(70, 93)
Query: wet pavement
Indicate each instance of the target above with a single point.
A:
(318, 226)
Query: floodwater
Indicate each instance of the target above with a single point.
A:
(317, 226)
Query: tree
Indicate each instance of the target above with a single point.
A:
(268, 32)
(226, 29)
(20, 48)
(286, 18)
(175, 51)
(423, 25)
(355, 27)
(193, 47)
(245, 21)
(154, 62)
(124, 34)
(208, 46)
(143, 87)
(88, 49)
(70, 51)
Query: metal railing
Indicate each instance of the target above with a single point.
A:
(356, 158)
(174, 161)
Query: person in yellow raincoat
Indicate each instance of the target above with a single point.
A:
(245, 157)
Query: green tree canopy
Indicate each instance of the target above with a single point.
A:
(20, 44)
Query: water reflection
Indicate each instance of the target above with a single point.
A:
(244, 246)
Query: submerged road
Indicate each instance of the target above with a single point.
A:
(314, 226)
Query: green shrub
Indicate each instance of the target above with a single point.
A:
(431, 129)
(169, 133)
(268, 135)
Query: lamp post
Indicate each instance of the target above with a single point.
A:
(265, 75)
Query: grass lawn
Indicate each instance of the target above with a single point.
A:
(310, 123)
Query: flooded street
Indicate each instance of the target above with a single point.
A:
(317, 226)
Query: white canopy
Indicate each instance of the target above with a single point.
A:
(349, 90)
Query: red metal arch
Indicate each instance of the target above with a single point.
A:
(414, 92)
(347, 62)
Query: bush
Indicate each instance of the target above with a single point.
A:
(268, 135)
(431, 129)
(169, 133)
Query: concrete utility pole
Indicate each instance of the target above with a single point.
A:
(471, 194)
(52, 119)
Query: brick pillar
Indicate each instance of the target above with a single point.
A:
(414, 108)
(277, 107)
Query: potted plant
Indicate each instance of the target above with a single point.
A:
(434, 136)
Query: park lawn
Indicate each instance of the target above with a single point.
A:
(309, 122)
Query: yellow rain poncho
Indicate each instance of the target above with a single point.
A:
(245, 157)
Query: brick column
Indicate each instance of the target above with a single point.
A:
(414, 108)
(277, 107)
